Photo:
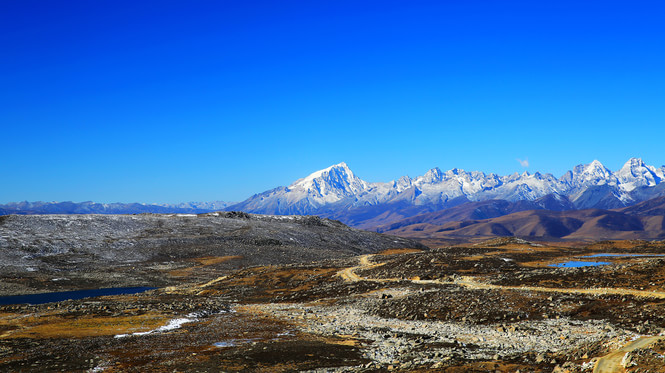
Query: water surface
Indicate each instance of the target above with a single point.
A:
(69, 295)
(578, 263)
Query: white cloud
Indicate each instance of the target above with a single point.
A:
(524, 163)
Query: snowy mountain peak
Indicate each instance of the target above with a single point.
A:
(433, 176)
(338, 169)
(637, 162)
(635, 173)
(329, 185)
(585, 175)
(402, 183)
(594, 168)
(596, 164)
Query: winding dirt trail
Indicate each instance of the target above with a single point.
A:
(349, 274)
(470, 282)
(611, 363)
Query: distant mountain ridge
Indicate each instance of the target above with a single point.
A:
(32, 208)
(336, 192)
(645, 220)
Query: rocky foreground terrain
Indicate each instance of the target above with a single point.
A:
(497, 306)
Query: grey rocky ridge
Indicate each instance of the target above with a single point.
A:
(338, 193)
(69, 252)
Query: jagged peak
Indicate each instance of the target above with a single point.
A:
(633, 163)
(341, 167)
(404, 178)
(589, 171)
(434, 171)
(433, 176)
(635, 167)
(596, 165)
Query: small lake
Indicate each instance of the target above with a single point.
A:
(582, 263)
(69, 295)
(578, 263)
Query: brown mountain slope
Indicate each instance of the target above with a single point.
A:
(643, 221)
(474, 211)
(652, 207)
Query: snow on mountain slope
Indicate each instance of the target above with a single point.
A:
(635, 173)
(336, 184)
(337, 188)
(593, 173)
(329, 185)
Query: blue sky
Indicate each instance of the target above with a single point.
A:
(171, 101)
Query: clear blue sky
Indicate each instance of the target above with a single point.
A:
(172, 101)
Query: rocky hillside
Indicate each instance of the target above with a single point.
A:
(79, 251)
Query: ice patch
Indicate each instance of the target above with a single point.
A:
(234, 342)
(173, 324)
(224, 344)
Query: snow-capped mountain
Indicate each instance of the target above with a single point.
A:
(635, 174)
(329, 185)
(332, 185)
(336, 188)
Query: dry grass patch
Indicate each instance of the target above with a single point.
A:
(203, 262)
(399, 251)
(58, 326)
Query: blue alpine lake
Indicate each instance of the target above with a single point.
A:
(69, 295)
(582, 263)
(576, 263)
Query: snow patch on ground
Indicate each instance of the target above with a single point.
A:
(172, 325)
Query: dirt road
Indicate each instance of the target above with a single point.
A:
(611, 363)
(349, 274)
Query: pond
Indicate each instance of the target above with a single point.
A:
(69, 295)
(582, 263)
(577, 263)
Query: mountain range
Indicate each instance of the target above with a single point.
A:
(427, 203)
(34, 208)
(336, 192)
